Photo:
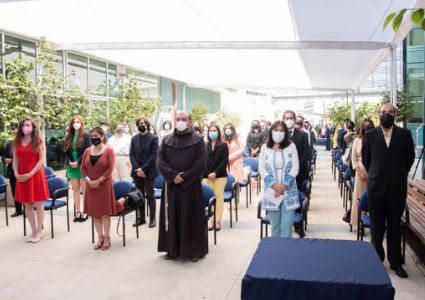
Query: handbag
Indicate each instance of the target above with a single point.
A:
(347, 216)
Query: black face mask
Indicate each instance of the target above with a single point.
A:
(256, 126)
(367, 128)
(120, 130)
(386, 120)
(142, 128)
(96, 141)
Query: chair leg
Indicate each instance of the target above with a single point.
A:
(246, 196)
(23, 218)
(137, 227)
(92, 230)
(267, 230)
(250, 193)
(51, 223)
(5, 209)
(261, 230)
(215, 227)
(123, 230)
(231, 212)
(236, 207)
(67, 216)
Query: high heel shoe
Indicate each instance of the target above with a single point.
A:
(37, 238)
(106, 247)
(99, 243)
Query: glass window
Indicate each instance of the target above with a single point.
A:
(13, 46)
(415, 77)
(416, 37)
(113, 81)
(146, 82)
(97, 77)
(77, 71)
(59, 64)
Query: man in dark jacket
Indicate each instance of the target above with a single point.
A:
(300, 140)
(143, 155)
(387, 155)
(7, 159)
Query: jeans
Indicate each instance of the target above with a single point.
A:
(281, 222)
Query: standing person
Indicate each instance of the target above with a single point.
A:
(387, 155)
(300, 139)
(255, 139)
(328, 137)
(197, 128)
(279, 167)
(97, 167)
(105, 128)
(29, 154)
(264, 128)
(76, 142)
(236, 150)
(143, 155)
(120, 144)
(167, 128)
(182, 231)
(127, 130)
(340, 141)
(7, 159)
(216, 171)
(360, 183)
(152, 129)
(205, 132)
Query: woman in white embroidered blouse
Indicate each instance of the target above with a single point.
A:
(120, 143)
(279, 166)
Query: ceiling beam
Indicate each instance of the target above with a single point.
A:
(248, 45)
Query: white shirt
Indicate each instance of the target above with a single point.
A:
(120, 145)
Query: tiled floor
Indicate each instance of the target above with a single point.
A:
(68, 268)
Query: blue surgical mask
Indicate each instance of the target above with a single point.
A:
(213, 135)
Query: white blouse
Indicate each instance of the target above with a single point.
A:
(121, 145)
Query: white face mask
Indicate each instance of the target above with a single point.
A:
(76, 126)
(181, 125)
(289, 123)
(278, 136)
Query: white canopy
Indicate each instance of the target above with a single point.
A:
(320, 44)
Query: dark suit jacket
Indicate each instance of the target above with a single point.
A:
(8, 153)
(85, 143)
(143, 154)
(388, 167)
(217, 160)
(342, 144)
(300, 140)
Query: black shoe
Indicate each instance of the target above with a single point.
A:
(194, 259)
(152, 223)
(77, 217)
(400, 272)
(83, 219)
(169, 257)
(17, 214)
(139, 222)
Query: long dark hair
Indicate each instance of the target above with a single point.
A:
(361, 129)
(35, 134)
(71, 132)
(233, 137)
(252, 126)
(283, 144)
(100, 131)
(219, 141)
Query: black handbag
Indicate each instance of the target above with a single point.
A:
(347, 216)
(135, 200)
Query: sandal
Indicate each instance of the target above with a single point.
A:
(106, 247)
(99, 243)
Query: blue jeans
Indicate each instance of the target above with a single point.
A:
(281, 222)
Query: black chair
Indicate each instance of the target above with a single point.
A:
(253, 164)
(210, 202)
(121, 189)
(231, 193)
(50, 173)
(59, 197)
(247, 185)
(3, 196)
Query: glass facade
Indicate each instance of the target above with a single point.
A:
(77, 71)
(97, 78)
(146, 82)
(113, 81)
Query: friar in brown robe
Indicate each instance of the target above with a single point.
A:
(182, 161)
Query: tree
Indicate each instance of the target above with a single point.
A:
(338, 113)
(404, 105)
(396, 18)
(224, 116)
(199, 113)
(367, 110)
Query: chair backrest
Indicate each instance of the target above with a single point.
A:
(229, 183)
(363, 202)
(122, 188)
(208, 193)
(159, 182)
(252, 163)
(347, 174)
(49, 172)
(2, 186)
(55, 184)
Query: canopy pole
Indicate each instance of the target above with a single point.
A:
(394, 76)
(353, 106)
(184, 97)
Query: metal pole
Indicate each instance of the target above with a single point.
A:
(353, 106)
(394, 76)
(184, 97)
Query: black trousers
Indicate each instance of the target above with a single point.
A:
(145, 185)
(387, 210)
(12, 180)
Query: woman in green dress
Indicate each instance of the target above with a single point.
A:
(76, 142)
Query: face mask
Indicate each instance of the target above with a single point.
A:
(213, 135)
(387, 120)
(289, 123)
(126, 130)
(181, 125)
(278, 136)
(120, 130)
(167, 126)
(228, 132)
(26, 129)
(256, 126)
(142, 128)
(76, 126)
(96, 141)
(366, 128)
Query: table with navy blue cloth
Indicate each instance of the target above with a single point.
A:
(316, 269)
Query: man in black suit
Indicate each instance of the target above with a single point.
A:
(7, 159)
(387, 155)
(300, 140)
(143, 155)
(340, 141)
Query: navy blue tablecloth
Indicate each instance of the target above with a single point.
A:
(316, 269)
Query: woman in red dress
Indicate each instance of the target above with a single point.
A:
(97, 167)
(31, 186)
